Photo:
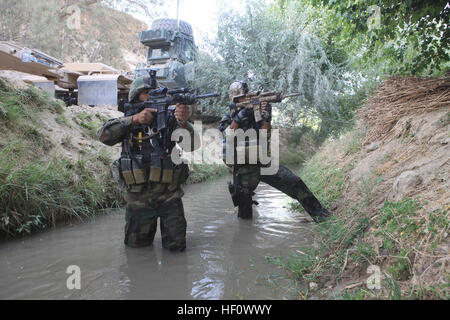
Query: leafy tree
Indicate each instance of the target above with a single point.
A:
(399, 37)
(275, 52)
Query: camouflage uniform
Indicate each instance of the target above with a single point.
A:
(285, 180)
(288, 182)
(149, 200)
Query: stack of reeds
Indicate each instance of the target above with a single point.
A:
(401, 96)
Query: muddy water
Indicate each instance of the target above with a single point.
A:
(225, 257)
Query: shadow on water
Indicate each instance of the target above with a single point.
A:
(225, 258)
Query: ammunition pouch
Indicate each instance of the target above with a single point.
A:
(180, 176)
(127, 170)
(162, 169)
(134, 169)
(115, 169)
(249, 150)
(155, 168)
(138, 170)
(167, 173)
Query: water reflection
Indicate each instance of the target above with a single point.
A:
(154, 274)
(224, 259)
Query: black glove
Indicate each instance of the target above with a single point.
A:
(242, 115)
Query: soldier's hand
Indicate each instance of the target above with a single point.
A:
(182, 114)
(266, 111)
(263, 106)
(242, 115)
(143, 117)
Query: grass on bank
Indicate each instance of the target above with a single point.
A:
(349, 242)
(39, 189)
(204, 172)
(90, 124)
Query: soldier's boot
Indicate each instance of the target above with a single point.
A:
(322, 215)
(311, 205)
(138, 234)
(289, 183)
(173, 225)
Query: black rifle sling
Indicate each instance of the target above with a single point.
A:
(161, 123)
(161, 117)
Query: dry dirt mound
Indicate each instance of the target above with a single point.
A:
(16, 78)
(74, 133)
(408, 140)
(413, 160)
(406, 154)
(52, 167)
(399, 97)
(396, 175)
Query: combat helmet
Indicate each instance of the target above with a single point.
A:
(238, 88)
(140, 84)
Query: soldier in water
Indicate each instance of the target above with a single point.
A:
(246, 177)
(151, 180)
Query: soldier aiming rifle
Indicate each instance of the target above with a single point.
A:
(252, 110)
(145, 169)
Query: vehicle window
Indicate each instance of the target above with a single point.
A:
(159, 53)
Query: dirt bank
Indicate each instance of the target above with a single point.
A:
(52, 166)
(388, 183)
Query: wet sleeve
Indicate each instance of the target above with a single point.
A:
(114, 130)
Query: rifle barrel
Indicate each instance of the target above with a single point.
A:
(291, 95)
(208, 95)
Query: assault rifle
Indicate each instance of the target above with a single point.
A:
(252, 100)
(160, 101)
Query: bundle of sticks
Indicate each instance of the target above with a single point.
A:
(401, 96)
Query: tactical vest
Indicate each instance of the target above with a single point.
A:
(246, 147)
(146, 156)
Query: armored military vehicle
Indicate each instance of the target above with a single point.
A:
(171, 52)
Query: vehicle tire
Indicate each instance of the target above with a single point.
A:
(171, 24)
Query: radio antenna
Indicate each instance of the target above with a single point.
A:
(178, 17)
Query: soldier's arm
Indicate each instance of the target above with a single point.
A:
(224, 122)
(267, 117)
(234, 125)
(182, 114)
(114, 130)
(240, 117)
